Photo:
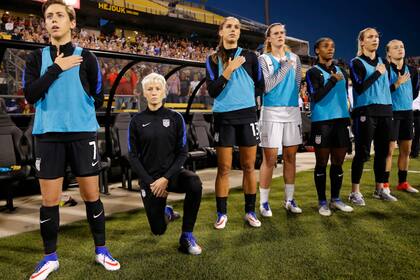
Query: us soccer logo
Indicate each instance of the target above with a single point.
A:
(166, 122)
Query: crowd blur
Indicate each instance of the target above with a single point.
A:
(32, 29)
(180, 86)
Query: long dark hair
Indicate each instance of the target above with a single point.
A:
(220, 50)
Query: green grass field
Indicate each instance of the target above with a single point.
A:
(379, 241)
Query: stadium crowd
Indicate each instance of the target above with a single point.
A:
(32, 29)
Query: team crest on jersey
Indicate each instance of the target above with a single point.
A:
(166, 122)
(38, 164)
(216, 137)
(318, 139)
(362, 118)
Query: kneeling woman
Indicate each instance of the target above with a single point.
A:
(330, 117)
(158, 149)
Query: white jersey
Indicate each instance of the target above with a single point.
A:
(416, 103)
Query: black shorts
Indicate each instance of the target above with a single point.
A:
(401, 129)
(332, 134)
(52, 158)
(226, 135)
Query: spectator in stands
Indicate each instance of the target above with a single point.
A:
(174, 88)
(233, 79)
(193, 83)
(126, 87)
(63, 82)
(163, 130)
(185, 87)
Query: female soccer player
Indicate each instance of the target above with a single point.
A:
(233, 79)
(64, 83)
(158, 148)
(330, 117)
(372, 114)
(280, 121)
(404, 89)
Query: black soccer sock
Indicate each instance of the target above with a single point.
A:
(402, 176)
(250, 202)
(221, 204)
(49, 223)
(336, 177)
(96, 217)
(320, 178)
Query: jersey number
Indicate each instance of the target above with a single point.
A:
(255, 130)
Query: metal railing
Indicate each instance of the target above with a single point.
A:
(133, 60)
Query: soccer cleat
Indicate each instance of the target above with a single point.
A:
(188, 244)
(357, 199)
(221, 221)
(103, 257)
(47, 265)
(170, 214)
(384, 194)
(405, 186)
(291, 206)
(323, 209)
(252, 220)
(336, 203)
(265, 210)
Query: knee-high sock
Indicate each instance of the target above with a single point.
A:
(320, 177)
(49, 223)
(96, 217)
(336, 177)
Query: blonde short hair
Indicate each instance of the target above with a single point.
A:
(154, 78)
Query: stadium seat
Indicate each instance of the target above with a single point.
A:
(201, 141)
(119, 133)
(105, 163)
(11, 157)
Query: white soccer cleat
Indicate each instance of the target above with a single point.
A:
(47, 265)
(291, 206)
(103, 257)
(265, 210)
(252, 220)
(323, 209)
(340, 205)
(188, 244)
(221, 221)
(357, 198)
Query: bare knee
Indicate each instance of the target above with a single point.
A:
(270, 161)
(50, 201)
(248, 166)
(223, 169)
